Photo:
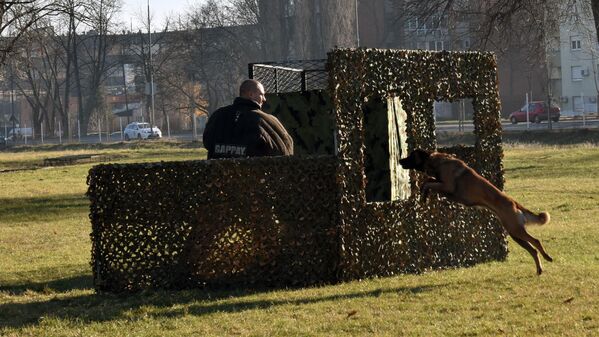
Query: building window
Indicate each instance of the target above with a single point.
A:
(435, 45)
(556, 73)
(577, 103)
(413, 23)
(576, 73)
(421, 45)
(290, 8)
(443, 22)
(575, 43)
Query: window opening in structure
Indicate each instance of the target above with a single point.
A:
(453, 123)
(385, 143)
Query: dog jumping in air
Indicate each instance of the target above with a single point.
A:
(456, 181)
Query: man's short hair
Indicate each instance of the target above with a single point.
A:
(248, 87)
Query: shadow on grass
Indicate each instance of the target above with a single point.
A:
(79, 282)
(238, 306)
(106, 307)
(19, 209)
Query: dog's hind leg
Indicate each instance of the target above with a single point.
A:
(537, 244)
(535, 255)
(521, 233)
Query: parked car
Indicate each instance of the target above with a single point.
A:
(138, 130)
(19, 133)
(537, 112)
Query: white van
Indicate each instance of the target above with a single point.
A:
(20, 133)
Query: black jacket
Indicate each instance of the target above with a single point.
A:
(243, 130)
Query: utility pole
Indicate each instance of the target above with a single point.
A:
(547, 42)
(152, 121)
(357, 27)
(12, 106)
(125, 79)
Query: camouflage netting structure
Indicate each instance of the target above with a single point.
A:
(340, 209)
(404, 234)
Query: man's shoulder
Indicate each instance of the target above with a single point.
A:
(223, 109)
(267, 117)
(237, 106)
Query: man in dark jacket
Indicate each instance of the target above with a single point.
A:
(243, 130)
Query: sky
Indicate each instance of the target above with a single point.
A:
(133, 9)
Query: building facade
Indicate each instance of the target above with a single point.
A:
(578, 62)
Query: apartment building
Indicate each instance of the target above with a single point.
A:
(577, 71)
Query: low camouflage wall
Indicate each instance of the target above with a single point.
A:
(213, 223)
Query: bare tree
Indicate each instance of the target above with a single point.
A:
(92, 63)
(304, 29)
(220, 49)
(71, 16)
(37, 67)
(525, 34)
(170, 71)
(227, 35)
(497, 20)
(17, 17)
(595, 11)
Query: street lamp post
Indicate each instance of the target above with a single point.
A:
(12, 107)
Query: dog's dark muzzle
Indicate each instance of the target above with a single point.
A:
(406, 164)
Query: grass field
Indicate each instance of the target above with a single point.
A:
(46, 284)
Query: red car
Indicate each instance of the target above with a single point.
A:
(537, 112)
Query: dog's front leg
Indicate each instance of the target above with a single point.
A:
(441, 187)
(425, 189)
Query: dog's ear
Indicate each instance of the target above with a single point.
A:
(415, 160)
(421, 156)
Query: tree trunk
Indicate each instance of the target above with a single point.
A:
(67, 85)
(595, 9)
(80, 126)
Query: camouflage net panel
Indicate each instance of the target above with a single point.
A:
(409, 236)
(308, 117)
(278, 79)
(291, 76)
(266, 221)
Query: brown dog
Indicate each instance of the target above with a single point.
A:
(458, 182)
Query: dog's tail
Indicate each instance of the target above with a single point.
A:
(532, 218)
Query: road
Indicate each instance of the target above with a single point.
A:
(441, 126)
(507, 126)
(95, 139)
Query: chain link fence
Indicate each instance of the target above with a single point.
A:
(290, 76)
